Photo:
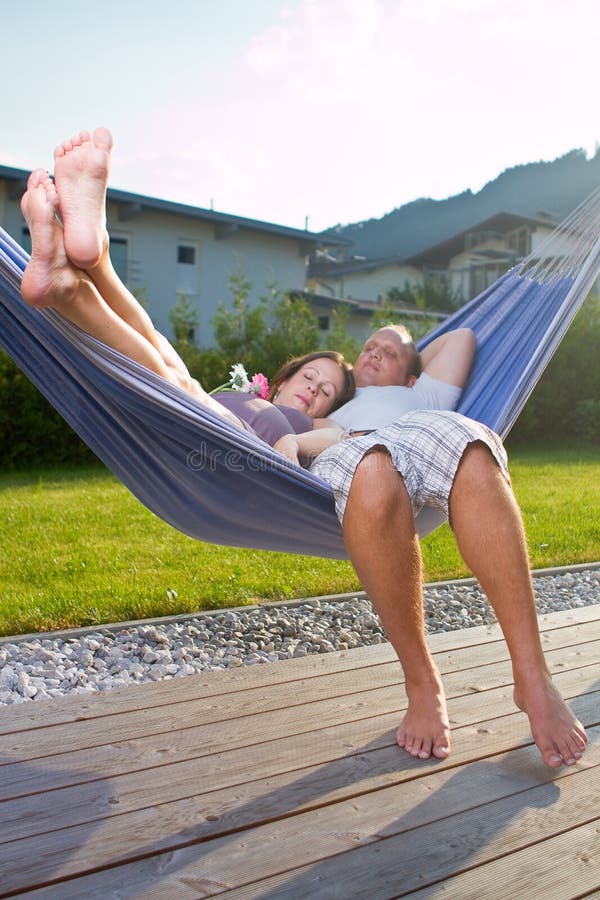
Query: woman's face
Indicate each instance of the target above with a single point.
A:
(314, 388)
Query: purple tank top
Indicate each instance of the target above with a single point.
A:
(268, 421)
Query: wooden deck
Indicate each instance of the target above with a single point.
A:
(283, 781)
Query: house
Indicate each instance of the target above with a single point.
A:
(465, 264)
(359, 314)
(360, 278)
(162, 250)
(361, 286)
(472, 260)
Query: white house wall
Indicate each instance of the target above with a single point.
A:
(561, 245)
(372, 284)
(153, 239)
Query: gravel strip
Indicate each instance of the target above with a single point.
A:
(40, 668)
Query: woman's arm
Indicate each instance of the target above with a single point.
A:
(309, 444)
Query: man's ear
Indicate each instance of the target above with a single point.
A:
(412, 380)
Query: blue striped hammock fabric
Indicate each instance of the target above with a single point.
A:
(218, 483)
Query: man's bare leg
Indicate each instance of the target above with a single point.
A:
(380, 537)
(50, 280)
(488, 527)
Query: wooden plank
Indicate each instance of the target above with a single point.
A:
(382, 689)
(173, 824)
(471, 738)
(74, 707)
(202, 741)
(120, 795)
(562, 868)
(254, 732)
(379, 846)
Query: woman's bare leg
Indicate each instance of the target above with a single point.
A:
(51, 280)
(81, 171)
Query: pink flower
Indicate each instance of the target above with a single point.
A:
(259, 385)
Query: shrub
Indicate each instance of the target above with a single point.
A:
(572, 377)
(584, 421)
(31, 431)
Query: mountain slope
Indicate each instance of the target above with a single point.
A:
(553, 188)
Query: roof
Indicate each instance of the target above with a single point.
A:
(347, 266)
(366, 307)
(228, 221)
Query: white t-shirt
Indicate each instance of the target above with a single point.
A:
(374, 407)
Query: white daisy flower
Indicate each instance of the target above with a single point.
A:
(239, 378)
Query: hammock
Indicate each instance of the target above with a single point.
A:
(218, 483)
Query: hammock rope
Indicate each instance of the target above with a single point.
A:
(218, 483)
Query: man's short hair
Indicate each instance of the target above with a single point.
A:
(415, 365)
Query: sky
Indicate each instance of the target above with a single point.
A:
(304, 113)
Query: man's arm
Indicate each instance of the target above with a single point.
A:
(449, 358)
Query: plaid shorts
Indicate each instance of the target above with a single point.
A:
(425, 447)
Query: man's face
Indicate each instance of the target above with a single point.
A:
(383, 360)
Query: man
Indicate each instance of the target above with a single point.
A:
(382, 478)
(393, 378)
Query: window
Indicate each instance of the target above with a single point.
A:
(118, 256)
(186, 255)
(323, 323)
(187, 269)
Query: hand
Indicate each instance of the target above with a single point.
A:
(288, 446)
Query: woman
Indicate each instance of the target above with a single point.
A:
(87, 291)
(303, 392)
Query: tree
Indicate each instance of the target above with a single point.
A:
(292, 328)
(263, 336)
(184, 319)
(338, 337)
(387, 313)
(240, 330)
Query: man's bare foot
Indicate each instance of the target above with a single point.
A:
(425, 729)
(49, 277)
(559, 735)
(81, 169)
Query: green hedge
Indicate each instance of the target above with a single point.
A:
(565, 405)
(31, 431)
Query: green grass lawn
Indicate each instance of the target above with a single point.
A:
(78, 549)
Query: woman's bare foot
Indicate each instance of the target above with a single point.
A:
(81, 169)
(559, 735)
(425, 729)
(49, 277)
